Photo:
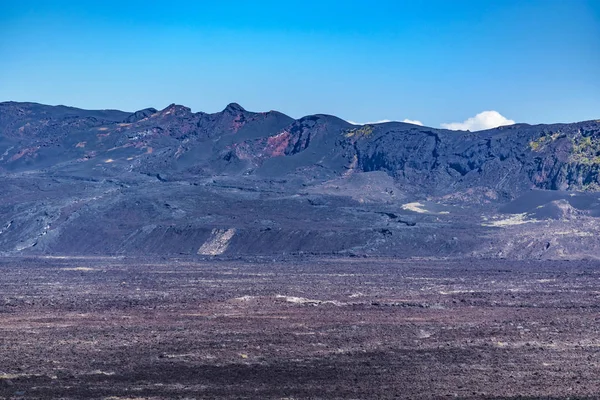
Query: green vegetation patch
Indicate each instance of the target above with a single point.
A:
(363, 131)
(540, 143)
(586, 150)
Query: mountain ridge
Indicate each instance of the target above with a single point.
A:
(555, 156)
(170, 181)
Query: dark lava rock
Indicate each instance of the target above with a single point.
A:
(85, 181)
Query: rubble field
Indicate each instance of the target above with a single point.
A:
(298, 328)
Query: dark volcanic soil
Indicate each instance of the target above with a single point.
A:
(304, 328)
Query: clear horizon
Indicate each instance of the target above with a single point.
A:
(463, 64)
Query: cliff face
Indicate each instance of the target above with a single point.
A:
(509, 159)
(172, 181)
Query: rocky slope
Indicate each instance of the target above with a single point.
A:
(238, 182)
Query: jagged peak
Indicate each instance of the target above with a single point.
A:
(141, 114)
(234, 108)
(148, 111)
(176, 109)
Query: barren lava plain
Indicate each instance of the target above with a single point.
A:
(312, 327)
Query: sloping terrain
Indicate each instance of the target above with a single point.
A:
(243, 183)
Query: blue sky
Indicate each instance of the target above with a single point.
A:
(432, 61)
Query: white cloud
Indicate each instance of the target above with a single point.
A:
(483, 120)
(412, 121)
(383, 121)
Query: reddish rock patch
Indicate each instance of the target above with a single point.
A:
(25, 152)
(277, 144)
